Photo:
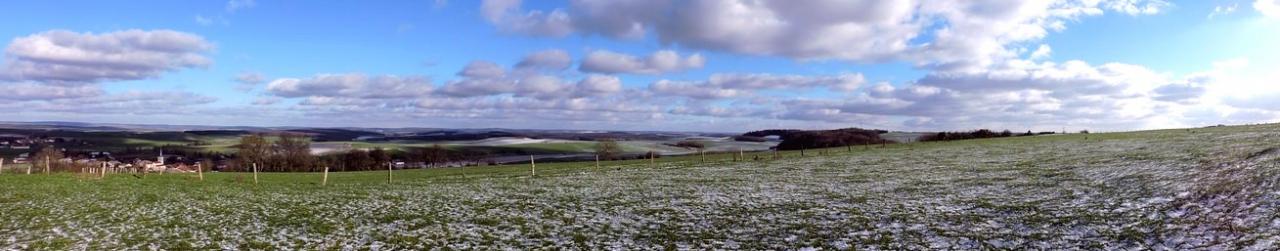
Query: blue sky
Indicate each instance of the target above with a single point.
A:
(716, 65)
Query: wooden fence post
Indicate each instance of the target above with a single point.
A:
(388, 172)
(702, 155)
(1, 165)
(200, 171)
(255, 173)
(325, 180)
(533, 167)
(651, 164)
(46, 165)
(597, 161)
(103, 171)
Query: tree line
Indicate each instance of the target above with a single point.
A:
(291, 152)
(975, 134)
(803, 139)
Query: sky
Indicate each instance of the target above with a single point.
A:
(701, 65)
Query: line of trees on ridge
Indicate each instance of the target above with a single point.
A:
(975, 134)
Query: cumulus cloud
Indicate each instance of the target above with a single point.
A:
(506, 15)
(541, 86)
(1071, 78)
(260, 101)
(351, 85)
(596, 84)
(129, 102)
(483, 78)
(35, 91)
(1024, 95)
(949, 34)
(66, 57)
(1223, 10)
(1188, 91)
(721, 86)
(552, 59)
(482, 69)
(693, 90)
(1269, 8)
(663, 61)
(1018, 95)
(1041, 52)
(1138, 7)
(248, 80)
(62, 72)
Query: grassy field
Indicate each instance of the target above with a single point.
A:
(1210, 188)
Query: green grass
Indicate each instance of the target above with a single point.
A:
(1176, 189)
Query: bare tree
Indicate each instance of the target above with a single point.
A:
(252, 149)
(49, 157)
(380, 157)
(294, 152)
(608, 149)
(356, 160)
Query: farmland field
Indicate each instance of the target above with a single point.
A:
(1204, 188)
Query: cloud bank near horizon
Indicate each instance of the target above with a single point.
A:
(982, 64)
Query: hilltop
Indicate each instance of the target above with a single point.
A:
(1204, 188)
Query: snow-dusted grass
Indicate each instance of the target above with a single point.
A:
(1173, 189)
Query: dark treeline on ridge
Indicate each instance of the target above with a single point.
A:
(975, 134)
(803, 139)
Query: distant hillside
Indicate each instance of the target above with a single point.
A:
(808, 139)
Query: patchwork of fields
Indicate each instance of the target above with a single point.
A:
(1210, 188)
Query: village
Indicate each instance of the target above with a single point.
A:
(29, 154)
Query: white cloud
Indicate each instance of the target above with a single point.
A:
(478, 87)
(248, 80)
(720, 86)
(553, 59)
(1188, 91)
(595, 84)
(1138, 7)
(482, 69)
(65, 57)
(663, 61)
(235, 5)
(541, 86)
(505, 14)
(693, 90)
(61, 72)
(1041, 52)
(129, 103)
(35, 91)
(263, 101)
(351, 85)
(964, 34)
(1223, 10)
(1269, 8)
